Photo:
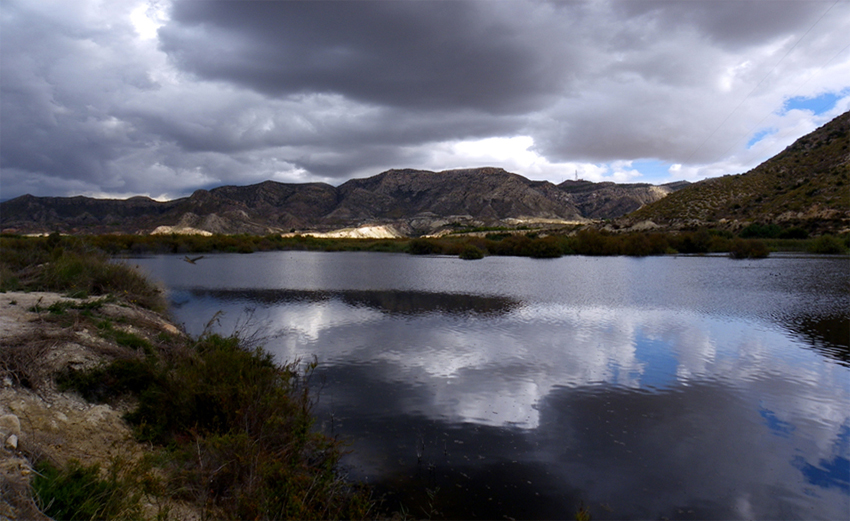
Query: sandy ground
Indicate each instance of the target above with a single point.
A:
(37, 421)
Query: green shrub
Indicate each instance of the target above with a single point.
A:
(103, 384)
(546, 248)
(66, 264)
(725, 234)
(593, 242)
(640, 245)
(519, 245)
(693, 242)
(421, 247)
(761, 231)
(96, 275)
(794, 233)
(123, 338)
(471, 252)
(239, 430)
(8, 280)
(251, 419)
(827, 244)
(748, 249)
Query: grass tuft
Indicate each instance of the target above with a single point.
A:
(74, 491)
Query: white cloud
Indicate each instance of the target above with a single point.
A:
(148, 17)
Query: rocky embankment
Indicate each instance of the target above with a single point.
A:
(42, 334)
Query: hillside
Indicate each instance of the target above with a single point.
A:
(806, 185)
(485, 194)
(610, 200)
(414, 202)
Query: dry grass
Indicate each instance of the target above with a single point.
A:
(16, 500)
(24, 360)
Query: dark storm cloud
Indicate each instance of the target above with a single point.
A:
(56, 97)
(160, 97)
(427, 55)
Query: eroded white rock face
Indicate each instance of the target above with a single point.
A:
(188, 230)
(363, 232)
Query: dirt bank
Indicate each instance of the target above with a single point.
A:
(42, 334)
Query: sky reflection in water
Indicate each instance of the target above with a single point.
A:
(676, 387)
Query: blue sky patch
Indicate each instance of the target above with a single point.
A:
(817, 105)
(653, 170)
(827, 474)
(658, 360)
(758, 136)
(830, 473)
(778, 427)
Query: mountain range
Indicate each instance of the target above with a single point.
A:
(806, 185)
(413, 202)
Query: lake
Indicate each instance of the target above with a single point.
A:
(679, 387)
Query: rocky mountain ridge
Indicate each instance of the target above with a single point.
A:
(414, 202)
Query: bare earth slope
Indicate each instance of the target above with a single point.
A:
(37, 421)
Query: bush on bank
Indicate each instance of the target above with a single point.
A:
(748, 249)
(827, 244)
(71, 266)
(238, 429)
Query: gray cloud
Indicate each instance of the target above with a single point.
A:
(731, 24)
(238, 92)
(423, 55)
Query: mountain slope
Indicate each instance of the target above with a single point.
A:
(610, 200)
(807, 184)
(34, 214)
(266, 207)
(488, 194)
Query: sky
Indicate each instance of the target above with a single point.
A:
(116, 98)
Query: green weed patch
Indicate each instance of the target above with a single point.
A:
(74, 491)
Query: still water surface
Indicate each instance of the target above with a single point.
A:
(665, 387)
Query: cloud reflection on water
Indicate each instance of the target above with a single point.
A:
(511, 358)
(636, 407)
